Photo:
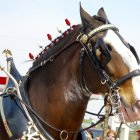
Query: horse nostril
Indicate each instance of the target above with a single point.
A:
(138, 104)
(134, 109)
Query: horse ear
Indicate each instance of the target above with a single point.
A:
(102, 13)
(85, 17)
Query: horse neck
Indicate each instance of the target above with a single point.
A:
(55, 92)
(92, 77)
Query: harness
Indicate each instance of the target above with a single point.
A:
(84, 40)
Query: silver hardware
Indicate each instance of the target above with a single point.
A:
(10, 90)
(84, 39)
(32, 134)
(115, 100)
(89, 46)
(103, 81)
(51, 58)
(62, 137)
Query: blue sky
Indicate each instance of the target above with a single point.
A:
(25, 23)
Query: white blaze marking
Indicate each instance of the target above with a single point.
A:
(129, 59)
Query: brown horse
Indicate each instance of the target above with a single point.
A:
(90, 58)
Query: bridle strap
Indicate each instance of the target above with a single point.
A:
(100, 29)
(128, 76)
(84, 40)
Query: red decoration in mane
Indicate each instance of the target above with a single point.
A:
(31, 56)
(49, 37)
(67, 22)
(56, 40)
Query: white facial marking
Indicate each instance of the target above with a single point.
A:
(129, 59)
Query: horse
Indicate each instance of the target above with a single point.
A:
(88, 58)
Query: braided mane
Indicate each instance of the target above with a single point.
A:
(55, 45)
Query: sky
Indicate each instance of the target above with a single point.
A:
(24, 24)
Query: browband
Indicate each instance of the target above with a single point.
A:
(84, 38)
(101, 28)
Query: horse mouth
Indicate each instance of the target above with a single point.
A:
(130, 114)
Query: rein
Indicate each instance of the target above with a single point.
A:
(13, 93)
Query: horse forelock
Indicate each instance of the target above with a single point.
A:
(56, 45)
(127, 56)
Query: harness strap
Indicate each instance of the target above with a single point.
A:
(128, 76)
(9, 59)
(4, 119)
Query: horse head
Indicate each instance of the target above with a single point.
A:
(116, 62)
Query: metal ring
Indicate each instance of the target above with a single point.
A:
(62, 137)
(114, 99)
(51, 58)
(103, 81)
(84, 38)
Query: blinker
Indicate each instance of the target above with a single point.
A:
(102, 51)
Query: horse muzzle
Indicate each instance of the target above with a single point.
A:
(130, 114)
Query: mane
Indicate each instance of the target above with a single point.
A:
(55, 45)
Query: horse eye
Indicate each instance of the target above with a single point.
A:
(109, 47)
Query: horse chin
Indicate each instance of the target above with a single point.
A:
(130, 114)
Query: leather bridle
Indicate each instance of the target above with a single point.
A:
(84, 40)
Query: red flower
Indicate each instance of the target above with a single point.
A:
(49, 36)
(67, 22)
(31, 56)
